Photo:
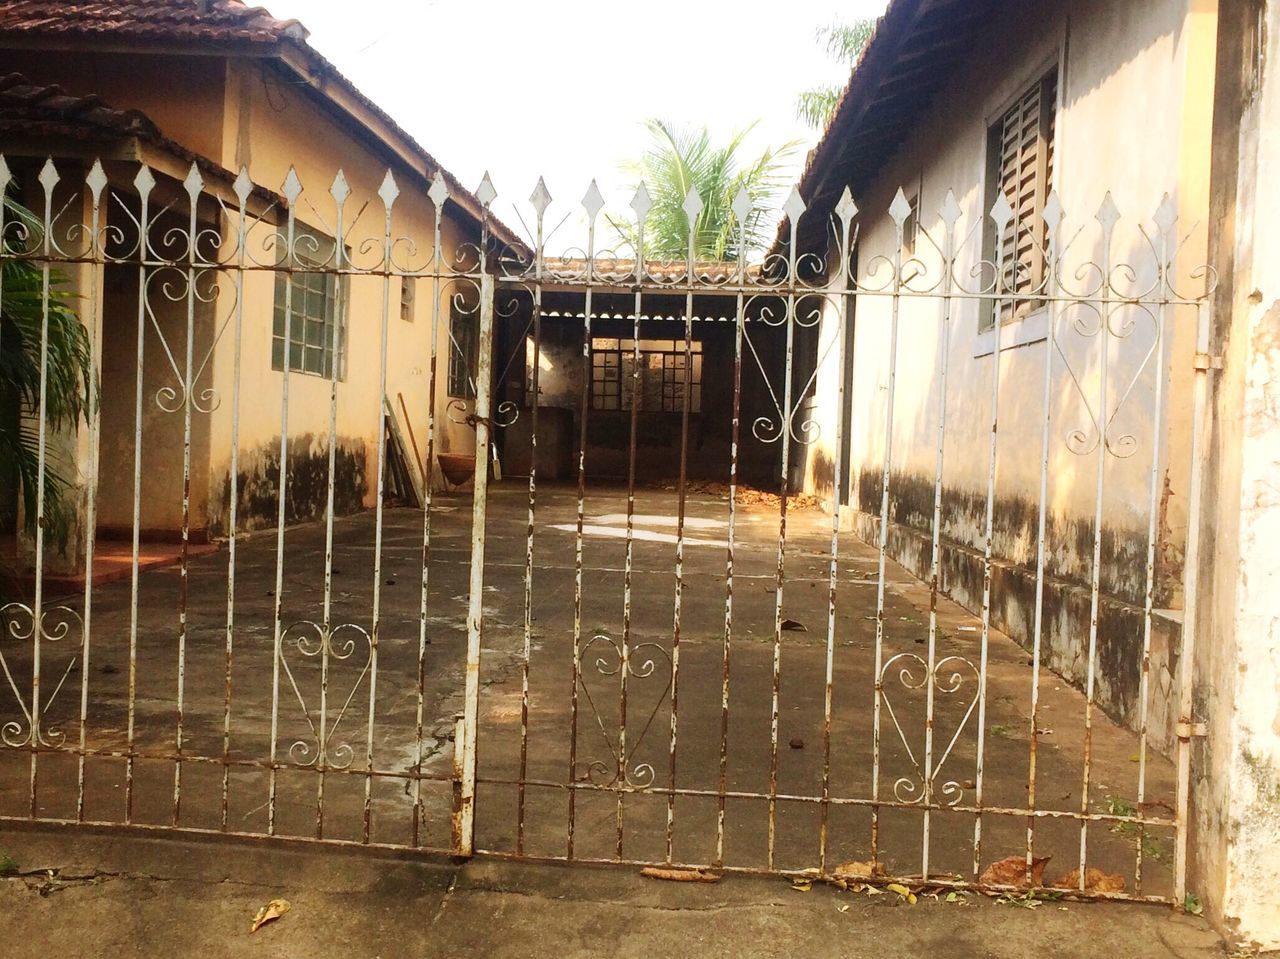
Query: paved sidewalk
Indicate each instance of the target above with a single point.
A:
(82, 894)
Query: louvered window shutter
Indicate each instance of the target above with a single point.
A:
(1024, 174)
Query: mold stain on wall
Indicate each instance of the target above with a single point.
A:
(306, 483)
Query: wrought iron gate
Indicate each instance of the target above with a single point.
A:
(652, 645)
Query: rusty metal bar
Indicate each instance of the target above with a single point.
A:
(475, 609)
(1107, 217)
(144, 182)
(96, 181)
(292, 190)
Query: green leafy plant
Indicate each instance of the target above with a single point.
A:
(8, 865)
(844, 43)
(1152, 848)
(683, 158)
(68, 361)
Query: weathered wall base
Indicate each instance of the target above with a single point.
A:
(1064, 640)
(306, 483)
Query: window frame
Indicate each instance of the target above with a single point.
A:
(408, 298)
(464, 358)
(669, 371)
(1027, 325)
(334, 299)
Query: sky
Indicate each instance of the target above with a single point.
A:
(561, 88)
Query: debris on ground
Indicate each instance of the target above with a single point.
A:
(749, 496)
(859, 870)
(795, 626)
(269, 913)
(1095, 880)
(680, 875)
(1013, 871)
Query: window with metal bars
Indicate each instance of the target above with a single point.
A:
(1020, 165)
(463, 351)
(315, 307)
(662, 375)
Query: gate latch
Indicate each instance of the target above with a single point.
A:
(1186, 730)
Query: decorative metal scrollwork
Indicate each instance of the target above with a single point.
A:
(324, 646)
(54, 625)
(641, 662)
(947, 678)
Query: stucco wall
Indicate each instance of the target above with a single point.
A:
(1114, 60)
(246, 112)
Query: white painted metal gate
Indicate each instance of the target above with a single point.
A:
(596, 661)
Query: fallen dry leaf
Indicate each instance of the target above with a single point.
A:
(1012, 871)
(859, 870)
(1095, 880)
(902, 891)
(269, 913)
(802, 885)
(680, 875)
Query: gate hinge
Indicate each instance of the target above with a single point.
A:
(1188, 730)
(1207, 361)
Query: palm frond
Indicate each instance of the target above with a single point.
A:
(679, 159)
(36, 310)
(844, 43)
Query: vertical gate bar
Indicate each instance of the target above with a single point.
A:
(428, 468)
(243, 186)
(1190, 599)
(527, 652)
(96, 181)
(375, 625)
(784, 437)
(625, 655)
(475, 609)
(293, 189)
(935, 556)
(735, 435)
(1053, 309)
(883, 550)
(988, 531)
(682, 495)
(184, 551)
(144, 181)
(1153, 506)
(1095, 579)
(48, 179)
(577, 549)
(833, 567)
(326, 621)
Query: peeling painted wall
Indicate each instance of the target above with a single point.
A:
(1110, 57)
(1235, 850)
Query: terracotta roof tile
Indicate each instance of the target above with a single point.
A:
(213, 21)
(228, 20)
(44, 110)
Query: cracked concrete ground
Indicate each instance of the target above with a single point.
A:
(83, 894)
(604, 819)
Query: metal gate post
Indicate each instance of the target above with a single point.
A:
(465, 742)
(1186, 728)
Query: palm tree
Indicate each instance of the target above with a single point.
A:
(844, 43)
(680, 159)
(67, 378)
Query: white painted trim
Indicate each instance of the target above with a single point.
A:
(1032, 328)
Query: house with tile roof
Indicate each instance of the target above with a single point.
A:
(211, 88)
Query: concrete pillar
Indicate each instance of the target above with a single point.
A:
(1236, 770)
